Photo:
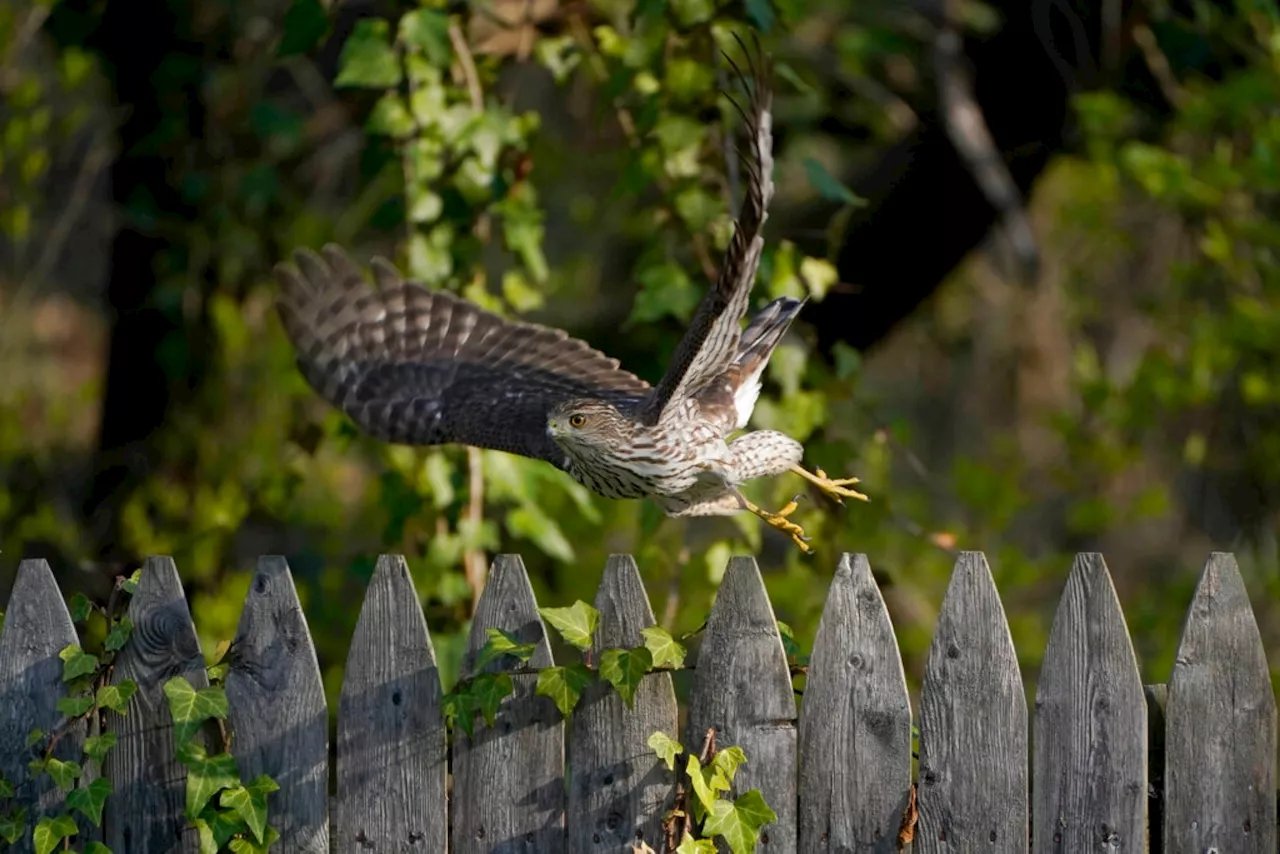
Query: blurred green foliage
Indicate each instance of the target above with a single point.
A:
(430, 152)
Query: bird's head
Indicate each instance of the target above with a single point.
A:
(584, 426)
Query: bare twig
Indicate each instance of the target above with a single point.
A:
(1158, 65)
(468, 64)
(969, 134)
(473, 559)
(27, 30)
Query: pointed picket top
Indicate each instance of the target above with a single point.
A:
(278, 716)
(1091, 723)
(508, 781)
(855, 722)
(36, 628)
(973, 723)
(146, 809)
(618, 788)
(392, 761)
(742, 688)
(1220, 733)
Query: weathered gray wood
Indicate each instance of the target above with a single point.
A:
(145, 813)
(277, 713)
(36, 628)
(392, 746)
(1220, 734)
(743, 689)
(855, 723)
(973, 727)
(618, 788)
(508, 782)
(1090, 784)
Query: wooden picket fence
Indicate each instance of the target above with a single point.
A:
(1187, 767)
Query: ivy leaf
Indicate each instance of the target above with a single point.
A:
(130, 584)
(666, 747)
(80, 608)
(564, 685)
(726, 765)
(666, 651)
(13, 824)
(96, 848)
(250, 803)
(89, 800)
(739, 822)
(96, 746)
(6, 788)
(689, 845)
(427, 31)
(624, 668)
(216, 828)
(206, 775)
(241, 845)
(501, 643)
(390, 117)
(828, 186)
(33, 737)
(118, 635)
(367, 59)
(576, 624)
(191, 708)
(116, 697)
(63, 773)
(304, 25)
(488, 689)
(701, 788)
(74, 707)
(49, 832)
(76, 662)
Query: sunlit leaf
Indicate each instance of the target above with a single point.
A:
(576, 623)
(564, 685)
(367, 59)
(624, 669)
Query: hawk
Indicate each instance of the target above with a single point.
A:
(420, 367)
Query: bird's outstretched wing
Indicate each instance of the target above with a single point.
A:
(709, 345)
(422, 367)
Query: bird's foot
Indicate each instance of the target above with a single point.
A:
(837, 489)
(780, 521)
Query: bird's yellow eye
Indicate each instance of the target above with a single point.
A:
(577, 420)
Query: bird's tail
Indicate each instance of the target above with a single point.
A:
(764, 332)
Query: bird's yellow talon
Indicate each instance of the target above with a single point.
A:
(780, 521)
(837, 489)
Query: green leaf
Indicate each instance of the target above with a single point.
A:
(76, 662)
(250, 803)
(13, 825)
(89, 800)
(701, 786)
(367, 59)
(666, 651)
(666, 747)
(50, 831)
(206, 775)
(576, 624)
(6, 788)
(739, 823)
(501, 643)
(63, 773)
(828, 186)
(427, 31)
(304, 25)
(191, 708)
(74, 707)
(689, 845)
(216, 828)
(118, 635)
(241, 845)
(116, 697)
(33, 737)
(96, 848)
(460, 710)
(96, 746)
(80, 608)
(564, 685)
(130, 584)
(488, 689)
(725, 766)
(391, 117)
(624, 668)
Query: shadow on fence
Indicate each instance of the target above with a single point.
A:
(1185, 767)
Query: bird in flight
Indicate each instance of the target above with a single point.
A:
(420, 367)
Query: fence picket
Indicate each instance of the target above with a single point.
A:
(277, 715)
(855, 723)
(508, 782)
(36, 628)
(743, 689)
(1220, 724)
(1091, 723)
(973, 727)
(392, 761)
(145, 813)
(618, 788)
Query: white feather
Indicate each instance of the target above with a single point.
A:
(744, 399)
